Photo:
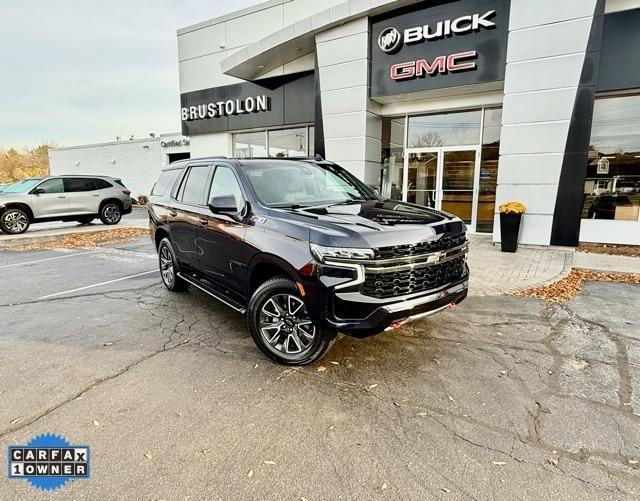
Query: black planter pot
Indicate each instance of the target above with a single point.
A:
(509, 231)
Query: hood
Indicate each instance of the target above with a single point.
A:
(374, 223)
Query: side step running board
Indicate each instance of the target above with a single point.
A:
(214, 294)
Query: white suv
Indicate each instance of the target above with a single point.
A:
(63, 198)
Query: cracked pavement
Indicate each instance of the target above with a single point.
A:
(503, 398)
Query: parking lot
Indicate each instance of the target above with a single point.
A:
(504, 398)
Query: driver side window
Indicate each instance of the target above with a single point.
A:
(225, 183)
(52, 186)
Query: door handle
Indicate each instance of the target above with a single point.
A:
(62, 196)
(97, 195)
(203, 221)
(173, 213)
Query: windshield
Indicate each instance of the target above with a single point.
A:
(302, 184)
(21, 186)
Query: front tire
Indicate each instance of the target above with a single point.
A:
(14, 221)
(280, 325)
(111, 213)
(169, 267)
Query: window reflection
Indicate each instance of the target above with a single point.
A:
(288, 142)
(612, 184)
(489, 169)
(251, 144)
(449, 129)
(392, 157)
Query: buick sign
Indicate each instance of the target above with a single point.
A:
(390, 40)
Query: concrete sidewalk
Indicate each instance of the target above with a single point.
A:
(494, 272)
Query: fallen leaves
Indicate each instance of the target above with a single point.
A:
(148, 455)
(498, 463)
(87, 239)
(566, 289)
(322, 368)
(372, 386)
(250, 473)
(610, 249)
(96, 423)
(270, 462)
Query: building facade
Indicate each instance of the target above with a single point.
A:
(461, 105)
(137, 161)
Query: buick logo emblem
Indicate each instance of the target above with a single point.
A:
(389, 40)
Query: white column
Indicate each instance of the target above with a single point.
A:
(352, 128)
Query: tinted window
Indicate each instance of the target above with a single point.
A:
(101, 184)
(165, 182)
(225, 183)
(75, 184)
(52, 186)
(193, 186)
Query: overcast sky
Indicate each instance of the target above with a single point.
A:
(82, 71)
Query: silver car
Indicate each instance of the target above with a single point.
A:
(63, 198)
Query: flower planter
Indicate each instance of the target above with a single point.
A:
(509, 231)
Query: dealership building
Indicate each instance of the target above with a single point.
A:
(136, 161)
(461, 105)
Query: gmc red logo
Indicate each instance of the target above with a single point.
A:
(441, 65)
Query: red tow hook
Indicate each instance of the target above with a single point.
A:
(452, 306)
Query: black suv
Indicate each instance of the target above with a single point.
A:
(305, 249)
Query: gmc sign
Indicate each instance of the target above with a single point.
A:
(461, 61)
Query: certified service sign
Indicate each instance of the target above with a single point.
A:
(48, 462)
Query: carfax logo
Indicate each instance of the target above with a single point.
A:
(48, 462)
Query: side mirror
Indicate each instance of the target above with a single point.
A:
(223, 204)
(38, 191)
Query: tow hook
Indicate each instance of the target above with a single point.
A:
(452, 306)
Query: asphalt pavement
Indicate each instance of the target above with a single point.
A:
(503, 398)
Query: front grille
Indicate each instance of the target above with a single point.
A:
(394, 251)
(399, 283)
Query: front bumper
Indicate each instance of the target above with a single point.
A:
(395, 310)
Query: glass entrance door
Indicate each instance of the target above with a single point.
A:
(444, 178)
(422, 178)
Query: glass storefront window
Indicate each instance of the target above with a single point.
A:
(612, 184)
(294, 142)
(288, 142)
(448, 129)
(250, 144)
(489, 169)
(392, 157)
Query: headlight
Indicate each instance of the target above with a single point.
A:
(322, 253)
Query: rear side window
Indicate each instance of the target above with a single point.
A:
(192, 191)
(101, 184)
(76, 184)
(165, 182)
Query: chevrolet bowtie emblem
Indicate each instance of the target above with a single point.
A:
(434, 258)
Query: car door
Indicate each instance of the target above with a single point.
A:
(185, 214)
(81, 195)
(221, 236)
(48, 199)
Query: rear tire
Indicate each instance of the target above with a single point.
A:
(169, 267)
(14, 221)
(110, 213)
(279, 323)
